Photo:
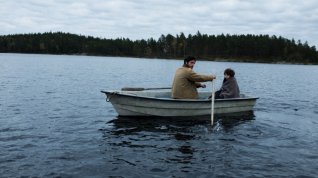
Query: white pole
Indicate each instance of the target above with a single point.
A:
(212, 103)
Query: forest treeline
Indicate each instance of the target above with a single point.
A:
(246, 48)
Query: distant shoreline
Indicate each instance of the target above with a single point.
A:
(252, 48)
(202, 59)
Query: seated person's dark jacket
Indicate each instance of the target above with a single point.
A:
(229, 89)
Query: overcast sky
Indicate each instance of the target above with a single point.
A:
(143, 19)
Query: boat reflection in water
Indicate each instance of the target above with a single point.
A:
(154, 124)
(170, 140)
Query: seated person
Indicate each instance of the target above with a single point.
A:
(186, 81)
(230, 88)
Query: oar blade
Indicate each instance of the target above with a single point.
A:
(132, 89)
(141, 89)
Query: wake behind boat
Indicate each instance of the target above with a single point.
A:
(160, 103)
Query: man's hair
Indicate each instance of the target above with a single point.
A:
(187, 59)
(229, 72)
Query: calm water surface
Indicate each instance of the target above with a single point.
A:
(54, 122)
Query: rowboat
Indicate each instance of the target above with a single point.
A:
(160, 103)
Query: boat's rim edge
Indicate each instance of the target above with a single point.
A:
(179, 100)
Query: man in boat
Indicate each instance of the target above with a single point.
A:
(186, 81)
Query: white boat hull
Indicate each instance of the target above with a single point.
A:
(159, 103)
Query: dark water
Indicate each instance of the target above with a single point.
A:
(54, 122)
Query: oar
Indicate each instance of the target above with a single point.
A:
(212, 103)
(142, 89)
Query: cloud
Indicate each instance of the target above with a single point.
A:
(142, 19)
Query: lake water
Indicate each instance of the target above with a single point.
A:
(54, 122)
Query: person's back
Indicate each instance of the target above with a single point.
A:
(186, 81)
(184, 86)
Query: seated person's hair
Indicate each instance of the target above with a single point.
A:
(189, 58)
(229, 72)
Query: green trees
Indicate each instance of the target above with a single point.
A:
(252, 48)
